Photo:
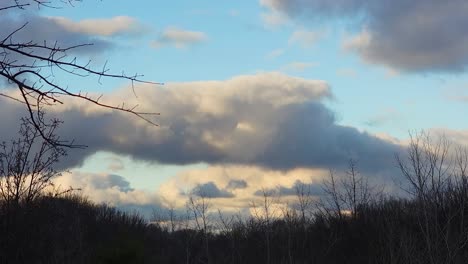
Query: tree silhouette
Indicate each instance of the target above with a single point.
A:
(27, 163)
(31, 67)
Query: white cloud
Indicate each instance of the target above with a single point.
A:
(174, 191)
(179, 38)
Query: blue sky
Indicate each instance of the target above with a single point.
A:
(383, 72)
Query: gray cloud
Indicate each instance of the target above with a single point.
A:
(426, 36)
(269, 119)
(312, 189)
(236, 184)
(110, 181)
(112, 189)
(43, 29)
(210, 190)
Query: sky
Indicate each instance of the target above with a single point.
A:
(257, 95)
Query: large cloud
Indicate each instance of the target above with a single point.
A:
(429, 35)
(269, 119)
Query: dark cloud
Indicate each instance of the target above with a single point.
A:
(210, 190)
(428, 36)
(236, 184)
(110, 181)
(309, 136)
(270, 120)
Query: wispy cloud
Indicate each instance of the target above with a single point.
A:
(179, 38)
(275, 53)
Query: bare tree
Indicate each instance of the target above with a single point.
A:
(426, 166)
(31, 66)
(27, 163)
(304, 200)
(437, 177)
(333, 205)
(265, 213)
(346, 194)
(199, 206)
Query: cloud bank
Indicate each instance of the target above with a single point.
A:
(270, 120)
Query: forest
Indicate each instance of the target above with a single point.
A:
(352, 222)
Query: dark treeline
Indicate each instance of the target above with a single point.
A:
(72, 230)
(352, 221)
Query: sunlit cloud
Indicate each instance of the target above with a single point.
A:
(118, 25)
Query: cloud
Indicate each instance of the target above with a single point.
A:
(115, 164)
(119, 25)
(305, 38)
(268, 119)
(210, 190)
(456, 137)
(113, 190)
(236, 184)
(39, 29)
(107, 188)
(412, 36)
(246, 179)
(179, 38)
(311, 189)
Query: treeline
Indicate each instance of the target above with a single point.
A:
(73, 230)
(352, 221)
